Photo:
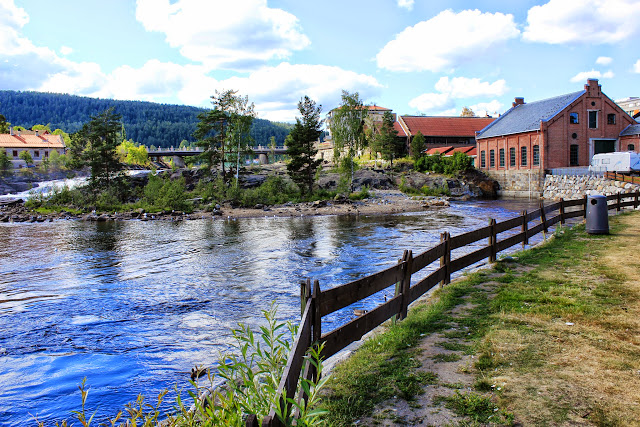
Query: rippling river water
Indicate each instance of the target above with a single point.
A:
(132, 306)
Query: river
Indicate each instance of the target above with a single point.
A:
(132, 306)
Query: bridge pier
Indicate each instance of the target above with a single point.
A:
(264, 158)
(178, 161)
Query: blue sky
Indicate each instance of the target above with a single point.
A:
(414, 56)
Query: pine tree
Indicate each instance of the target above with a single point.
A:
(417, 145)
(386, 140)
(300, 145)
(95, 146)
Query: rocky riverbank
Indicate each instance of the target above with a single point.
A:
(385, 198)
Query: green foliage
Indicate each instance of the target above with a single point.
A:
(26, 157)
(147, 123)
(5, 161)
(132, 154)
(223, 132)
(417, 146)
(386, 141)
(347, 129)
(4, 124)
(165, 194)
(57, 161)
(449, 165)
(479, 408)
(95, 146)
(300, 145)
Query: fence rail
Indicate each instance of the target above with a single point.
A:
(317, 303)
(622, 177)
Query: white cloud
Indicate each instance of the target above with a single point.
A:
(277, 90)
(604, 60)
(406, 4)
(66, 50)
(446, 40)
(428, 102)
(463, 87)
(457, 88)
(492, 108)
(238, 35)
(593, 74)
(583, 21)
(636, 66)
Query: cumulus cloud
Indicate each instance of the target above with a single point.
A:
(239, 35)
(636, 66)
(66, 50)
(406, 4)
(492, 108)
(593, 74)
(26, 66)
(583, 21)
(457, 88)
(463, 87)
(277, 90)
(446, 40)
(604, 60)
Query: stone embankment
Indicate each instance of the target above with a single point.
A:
(573, 187)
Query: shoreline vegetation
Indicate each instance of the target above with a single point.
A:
(187, 194)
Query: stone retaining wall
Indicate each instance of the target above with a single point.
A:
(518, 183)
(573, 187)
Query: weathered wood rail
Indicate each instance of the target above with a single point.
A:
(317, 303)
(622, 177)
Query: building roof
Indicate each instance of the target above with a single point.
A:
(631, 130)
(31, 141)
(446, 126)
(441, 150)
(527, 117)
(465, 150)
(400, 130)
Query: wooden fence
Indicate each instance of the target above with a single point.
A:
(317, 303)
(622, 177)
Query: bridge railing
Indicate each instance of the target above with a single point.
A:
(317, 303)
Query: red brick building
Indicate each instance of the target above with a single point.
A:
(558, 132)
(630, 138)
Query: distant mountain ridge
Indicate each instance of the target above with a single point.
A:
(148, 123)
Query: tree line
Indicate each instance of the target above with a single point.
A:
(147, 123)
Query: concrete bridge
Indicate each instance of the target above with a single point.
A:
(178, 154)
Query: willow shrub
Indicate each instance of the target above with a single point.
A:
(251, 372)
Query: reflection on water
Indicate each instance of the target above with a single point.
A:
(134, 305)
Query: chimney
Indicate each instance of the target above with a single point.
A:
(37, 134)
(11, 131)
(592, 87)
(517, 101)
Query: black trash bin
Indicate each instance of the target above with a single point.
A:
(597, 215)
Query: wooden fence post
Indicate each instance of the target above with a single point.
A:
(316, 319)
(619, 202)
(252, 421)
(305, 294)
(525, 229)
(543, 220)
(405, 284)
(562, 219)
(443, 257)
(492, 240)
(584, 203)
(635, 201)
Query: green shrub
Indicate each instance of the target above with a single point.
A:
(450, 165)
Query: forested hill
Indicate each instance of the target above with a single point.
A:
(147, 123)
